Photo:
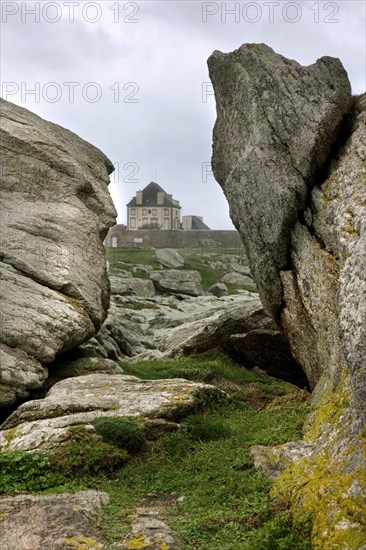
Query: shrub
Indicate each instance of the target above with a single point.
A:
(85, 453)
(21, 471)
(123, 432)
(201, 428)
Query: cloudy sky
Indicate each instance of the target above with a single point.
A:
(131, 77)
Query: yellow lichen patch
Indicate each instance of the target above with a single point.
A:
(329, 485)
(10, 434)
(180, 398)
(326, 494)
(137, 543)
(83, 543)
(329, 410)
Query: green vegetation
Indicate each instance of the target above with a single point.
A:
(123, 432)
(202, 428)
(22, 472)
(226, 502)
(86, 454)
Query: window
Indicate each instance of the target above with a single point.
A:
(144, 211)
(166, 223)
(133, 211)
(132, 223)
(166, 211)
(154, 222)
(144, 221)
(154, 212)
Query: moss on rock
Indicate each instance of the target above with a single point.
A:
(330, 483)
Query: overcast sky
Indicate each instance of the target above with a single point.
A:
(131, 77)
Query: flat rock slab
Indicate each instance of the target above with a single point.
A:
(176, 281)
(53, 522)
(43, 424)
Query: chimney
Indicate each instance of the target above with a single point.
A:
(139, 197)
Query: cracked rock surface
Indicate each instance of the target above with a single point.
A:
(42, 424)
(55, 522)
(289, 152)
(55, 213)
(276, 124)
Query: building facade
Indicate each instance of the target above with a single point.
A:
(153, 208)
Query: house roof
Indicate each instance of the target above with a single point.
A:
(150, 196)
(197, 223)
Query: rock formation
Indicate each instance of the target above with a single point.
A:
(42, 425)
(277, 122)
(55, 214)
(52, 521)
(176, 281)
(289, 153)
(168, 257)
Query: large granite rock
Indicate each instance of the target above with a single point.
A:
(55, 522)
(276, 124)
(42, 424)
(130, 286)
(306, 239)
(55, 214)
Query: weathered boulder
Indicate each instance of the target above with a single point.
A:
(127, 286)
(168, 257)
(43, 424)
(218, 290)
(55, 214)
(119, 338)
(19, 374)
(301, 210)
(55, 522)
(238, 279)
(276, 124)
(181, 282)
(204, 323)
(79, 367)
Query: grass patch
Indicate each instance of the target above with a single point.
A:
(218, 369)
(131, 256)
(86, 454)
(21, 472)
(226, 502)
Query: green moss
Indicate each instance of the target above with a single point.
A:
(76, 303)
(330, 483)
(10, 434)
(329, 410)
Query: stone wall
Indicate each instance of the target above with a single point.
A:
(171, 239)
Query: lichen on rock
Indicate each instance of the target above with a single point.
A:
(55, 214)
(297, 193)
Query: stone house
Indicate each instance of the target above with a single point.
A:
(153, 208)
